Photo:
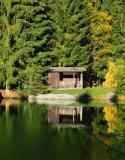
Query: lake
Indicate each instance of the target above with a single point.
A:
(61, 132)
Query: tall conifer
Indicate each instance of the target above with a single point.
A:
(71, 26)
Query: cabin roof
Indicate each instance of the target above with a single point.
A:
(68, 69)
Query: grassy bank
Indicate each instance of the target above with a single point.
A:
(95, 92)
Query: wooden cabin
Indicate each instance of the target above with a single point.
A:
(66, 77)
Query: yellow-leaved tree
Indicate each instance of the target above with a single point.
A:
(110, 78)
(100, 37)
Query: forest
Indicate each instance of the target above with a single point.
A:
(38, 34)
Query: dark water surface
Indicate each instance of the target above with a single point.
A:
(52, 132)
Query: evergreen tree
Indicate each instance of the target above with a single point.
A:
(37, 34)
(71, 33)
(6, 27)
(32, 40)
(27, 37)
(117, 9)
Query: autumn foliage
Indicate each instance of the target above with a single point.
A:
(110, 78)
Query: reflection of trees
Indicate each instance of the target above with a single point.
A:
(110, 114)
(109, 128)
(121, 122)
(109, 121)
(20, 128)
(27, 112)
(89, 114)
(115, 118)
(27, 129)
(99, 122)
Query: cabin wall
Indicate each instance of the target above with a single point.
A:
(65, 80)
(69, 83)
(53, 80)
(69, 80)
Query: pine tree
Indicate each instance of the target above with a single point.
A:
(117, 9)
(32, 40)
(6, 27)
(37, 34)
(71, 27)
(26, 39)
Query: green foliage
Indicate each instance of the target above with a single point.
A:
(26, 36)
(71, 25)
(117, 9)
(100, 35)
(120, 75)
(37, 34)
(110, 78)
(31, 80)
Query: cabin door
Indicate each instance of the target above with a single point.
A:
(53, 80)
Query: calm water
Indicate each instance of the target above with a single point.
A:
(53, 132)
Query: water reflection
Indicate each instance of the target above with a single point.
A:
(10, 102)
(9, 106)
(64, 115)
(106, 123)
(89, 132)
(110, 115)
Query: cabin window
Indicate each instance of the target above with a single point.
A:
(68, 75)
(65, 75)
(71, 75)
(61, 76)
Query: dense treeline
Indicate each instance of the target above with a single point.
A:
(37, 34)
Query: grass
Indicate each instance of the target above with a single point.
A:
(93, 92)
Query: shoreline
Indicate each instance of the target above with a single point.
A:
(13, 94)
(57, 101)
(73, 97)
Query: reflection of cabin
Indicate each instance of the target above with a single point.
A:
(66, 77)
(64, 115)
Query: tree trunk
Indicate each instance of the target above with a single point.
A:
(7, 89)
